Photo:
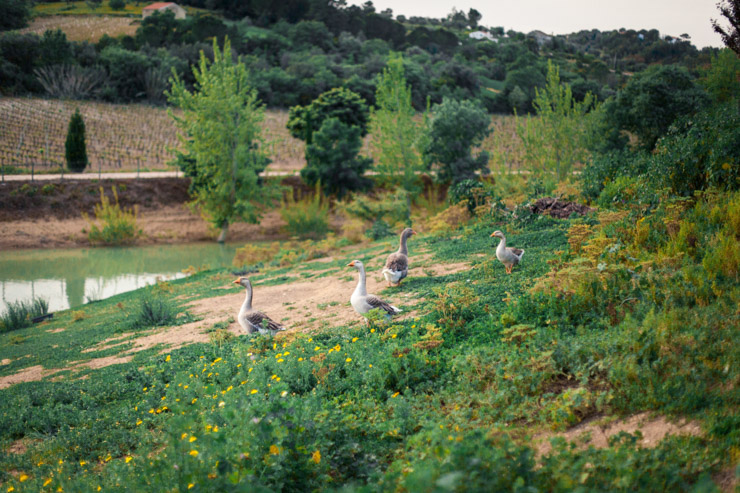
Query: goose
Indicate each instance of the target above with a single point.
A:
(397, 266)
(363, 302)
(507, 255)
(251, 320)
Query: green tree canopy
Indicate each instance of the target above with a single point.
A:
(343, 104)
(332, 159)
(652, 100)
(454, 129)
(221, 133)
(15, 14)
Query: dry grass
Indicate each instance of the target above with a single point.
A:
(126, 137)
(84, 28)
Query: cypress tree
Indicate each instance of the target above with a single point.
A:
(75, 149)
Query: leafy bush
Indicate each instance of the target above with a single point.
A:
(471, 192)
(307, 217)
(340, 103)
(699, 152)
(117, 4)
(455, 128)
(605, 168)
(118, 225)
(19, 314)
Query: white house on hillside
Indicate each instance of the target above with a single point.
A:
(162, 7)
(482, 35)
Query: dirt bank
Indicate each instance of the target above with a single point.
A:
(49, 215)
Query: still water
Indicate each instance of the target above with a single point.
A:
(70, 278)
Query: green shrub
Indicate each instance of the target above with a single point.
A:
(307, 217)
(75, 149)
(472, 192)
(118, 225)
(19, 314)
(117, 4)
(154, 312)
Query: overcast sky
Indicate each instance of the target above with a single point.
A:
(674, 17)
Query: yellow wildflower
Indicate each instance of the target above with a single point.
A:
(221, 404)
(182, 437)
(47, 482)
(128, 459)
(348, 360)
(108, 458)
(190, 485)
(167, 358)
(83, 462)
(229, 388)
(274, 450)
(254, 391)
(215, 429)
(316, 457)
(395, 395)
(138, 422)
(23, 477)
(193, 453)
(195, 399)
(372, 330)
(354, 339)
(300, 359)
(394, 336)
(280, 360)
(145, 389)
(192, 439)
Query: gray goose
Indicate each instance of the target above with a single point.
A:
(507, 255)
(251, 320)
(363, 302)
(397, 266)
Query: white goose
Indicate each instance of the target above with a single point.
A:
(397, 266)
(251, 320)
(363, 302)
(507, 255)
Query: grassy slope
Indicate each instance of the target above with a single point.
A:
(432, 400)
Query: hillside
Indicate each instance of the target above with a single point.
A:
(466, 389)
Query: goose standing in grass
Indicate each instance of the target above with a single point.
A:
(507, 255)
(363, 302)
(397, 266)
(251, 320)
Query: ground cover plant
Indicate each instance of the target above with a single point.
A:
(446, 398)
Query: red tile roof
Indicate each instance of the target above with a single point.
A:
(158, 5)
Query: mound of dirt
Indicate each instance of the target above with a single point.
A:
(560, 209)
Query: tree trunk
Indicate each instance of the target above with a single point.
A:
(224, 231)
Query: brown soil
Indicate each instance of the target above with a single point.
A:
(593, 433)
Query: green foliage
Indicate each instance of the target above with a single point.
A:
(652, 100)
(20, 314)
(721, 78)
(307, 217)
(332, 159)
(118, 226)
(395, 134)
(75, 149)
(340, 103)
(15, 14)
(472, 192)
(699, 152)
(603, 169)
(221, 131)
(117, 4)
(154, 311)
(556, 139)
(455, 128)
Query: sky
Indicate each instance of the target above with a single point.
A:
(673, 17)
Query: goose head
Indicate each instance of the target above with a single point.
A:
(356, 264)
(243, 281)
(407, 232)
(497, 234)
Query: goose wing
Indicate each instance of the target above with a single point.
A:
(397, 262)
(263, 322)
(376, 302)
(516, 251)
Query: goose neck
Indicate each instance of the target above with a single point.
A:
(361, 288)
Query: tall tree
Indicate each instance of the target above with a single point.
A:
(15, 14)
(221, 133)
(75, 149)
(730, 9)
(556, 138)
(339, 103)
(394, 132)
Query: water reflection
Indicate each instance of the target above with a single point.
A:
(70, 278)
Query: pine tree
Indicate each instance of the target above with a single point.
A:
(75, 149)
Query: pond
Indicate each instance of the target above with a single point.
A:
(70, 278)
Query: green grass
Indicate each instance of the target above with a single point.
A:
(446, 400)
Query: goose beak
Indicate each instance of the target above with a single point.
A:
(351, 264)
(413, 232)
(237, 281)
(493, 234)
